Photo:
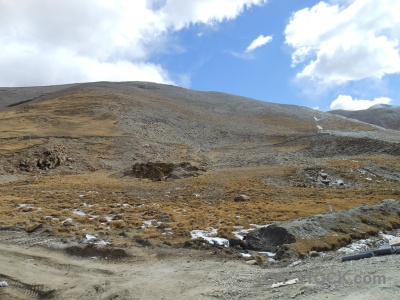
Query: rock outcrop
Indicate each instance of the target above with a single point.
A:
(46, 159)
(162, 171)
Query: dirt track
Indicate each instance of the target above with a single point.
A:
(167, 273)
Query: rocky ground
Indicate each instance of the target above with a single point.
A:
(142, 170)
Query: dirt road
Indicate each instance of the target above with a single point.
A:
(34, 272)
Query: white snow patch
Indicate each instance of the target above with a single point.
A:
(259, 226)
(207, 235)
(90, 238)
(103, 243)
(269, 254)
(360, 245)
(109, 218)
(25, 205)
(79, 212)
(386, 237)
(68, 220)
(3, 283)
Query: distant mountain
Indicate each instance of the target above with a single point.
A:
(115, 124)
(383, 115)
(381, 106)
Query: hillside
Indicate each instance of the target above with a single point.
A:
(138, 170)
(99, 136)
(385, 116)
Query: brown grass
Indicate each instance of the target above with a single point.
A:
(182, 205)
(61, 117)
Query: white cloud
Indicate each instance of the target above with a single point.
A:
(340, 43)
(348, 103)
(43, 42)
(182, 13)
(258, 42)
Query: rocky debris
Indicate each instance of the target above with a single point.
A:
(163, 171)
(316, 177)
(326, 232)
(44, 159)
(242, 198)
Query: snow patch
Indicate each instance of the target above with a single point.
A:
(207, 235)
(79, 212)
(89, 238)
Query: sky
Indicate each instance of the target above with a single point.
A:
(333, 54)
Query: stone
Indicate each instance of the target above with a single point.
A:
(268, 238)
(394, 242)
(324, 175)
(340, 182)
(325, 181)
(295, 263)
(164, 171)
(242, 198)
(314, 254)
(251, 262)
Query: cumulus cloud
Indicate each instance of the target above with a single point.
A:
(258, 42)
(44, 42)
(346, 41)
(348, 103)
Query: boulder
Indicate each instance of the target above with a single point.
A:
(162, 171)
(324, 175)
(268, 238)
(242, 198)
(395, 242)
(325, 181)
(314, 254)
(340, 182)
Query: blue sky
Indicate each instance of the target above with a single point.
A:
(334, 54)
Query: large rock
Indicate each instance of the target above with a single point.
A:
(242, 198)
(268, 238)
(163, 171)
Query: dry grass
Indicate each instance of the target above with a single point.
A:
(182, 205)
(10, 146)
(61, 117)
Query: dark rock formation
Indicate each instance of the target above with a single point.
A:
(162, 171)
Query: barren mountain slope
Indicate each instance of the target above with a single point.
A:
(103, 185)
(75, 150)
(383, 116)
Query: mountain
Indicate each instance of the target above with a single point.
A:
(383, 115)
(156, 161)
